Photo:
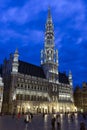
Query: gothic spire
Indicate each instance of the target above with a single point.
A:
(49, 56)
(49, 15)
(49, 33)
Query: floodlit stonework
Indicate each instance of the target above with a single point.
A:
(1, 92)
(38, 89)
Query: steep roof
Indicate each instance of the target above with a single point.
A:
(30, 69)
(0, 69)
(33, 70)
(63, 78)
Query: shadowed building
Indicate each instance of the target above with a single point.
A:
(37, 88)
(80, 97)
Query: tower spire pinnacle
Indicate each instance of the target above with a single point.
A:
(49, 15)
(49, 33)
(49, 56)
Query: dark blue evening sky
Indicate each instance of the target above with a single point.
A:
(22, 26)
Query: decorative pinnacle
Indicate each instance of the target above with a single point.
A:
(70, 73)
(16, 51)
(49, 14)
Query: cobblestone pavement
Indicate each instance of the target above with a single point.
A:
(40, 123)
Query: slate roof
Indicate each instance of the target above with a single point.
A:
(0, 69)
(33, 70)
(63, 78)
(30, 69)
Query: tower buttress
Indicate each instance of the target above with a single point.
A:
(15, 62)
(49, 56)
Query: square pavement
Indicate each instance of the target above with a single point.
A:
(40, 123)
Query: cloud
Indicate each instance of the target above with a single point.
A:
(14, 15)
(68, 8)
(79, 41)
(71, 15)
(26, 38)
(22, 25)
(24, 14)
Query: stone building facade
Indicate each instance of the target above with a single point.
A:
(39, 89)
(1, 93)
(80, 98)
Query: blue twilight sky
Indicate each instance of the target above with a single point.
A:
(22, 26)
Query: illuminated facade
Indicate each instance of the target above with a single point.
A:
(1, 92)
(37, 88)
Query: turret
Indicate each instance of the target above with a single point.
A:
(70, 78)
(1, 82)
(15, 62)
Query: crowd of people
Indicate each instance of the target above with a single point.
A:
(55, 120)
